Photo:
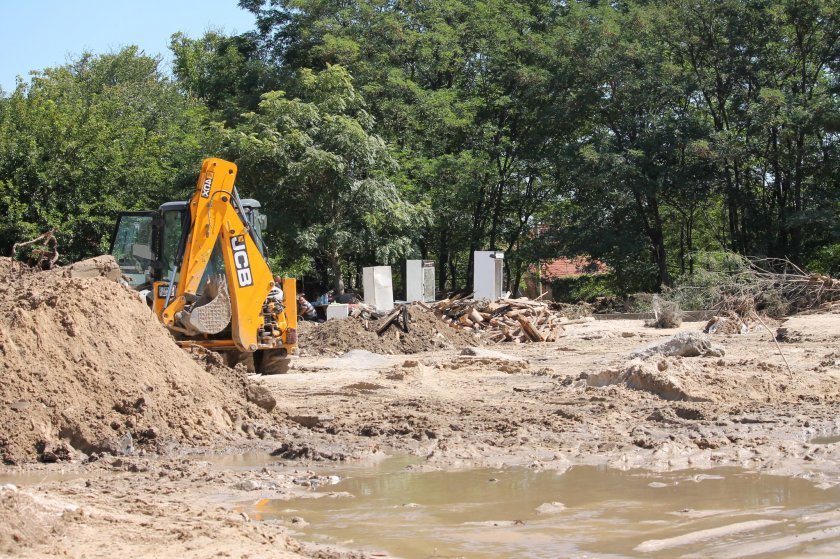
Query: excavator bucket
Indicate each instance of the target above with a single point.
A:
(211, 317)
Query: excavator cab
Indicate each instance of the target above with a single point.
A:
(145, 244)
(201, 265)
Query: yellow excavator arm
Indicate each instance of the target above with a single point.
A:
(217, 219)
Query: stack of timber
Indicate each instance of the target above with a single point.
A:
(508, 320)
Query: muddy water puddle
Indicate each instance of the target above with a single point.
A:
(825, 439)
(37, 477)
(584, 512)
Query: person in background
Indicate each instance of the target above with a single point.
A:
(276, 293)
(305, 309)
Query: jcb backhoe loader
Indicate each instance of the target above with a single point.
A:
(201, 265)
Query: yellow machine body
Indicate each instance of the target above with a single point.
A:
(260, 320)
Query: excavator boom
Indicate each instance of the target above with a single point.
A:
(215, 217)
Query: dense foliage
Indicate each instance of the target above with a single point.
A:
(326, 173)
(637, 132)
(83, 141)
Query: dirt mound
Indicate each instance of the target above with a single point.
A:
(647, 378)
(87, 368)
(684, 344)
(426, 332)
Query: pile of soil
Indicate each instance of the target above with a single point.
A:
(426, 332)
(88, 369)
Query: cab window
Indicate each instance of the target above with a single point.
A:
(132, 248)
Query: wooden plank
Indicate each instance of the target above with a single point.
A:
(389, 320)
(530, 330)
(554, 334)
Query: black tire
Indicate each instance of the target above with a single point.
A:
(271, 362)
(233, 358)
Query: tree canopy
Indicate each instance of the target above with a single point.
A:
(327, 173)
(83, 141)
(636, 132)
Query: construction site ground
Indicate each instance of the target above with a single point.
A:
(612, 393)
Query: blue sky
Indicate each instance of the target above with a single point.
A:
(40, 34)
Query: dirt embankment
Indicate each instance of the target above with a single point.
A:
(88, 369)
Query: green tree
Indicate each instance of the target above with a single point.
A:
(83, 141)
(316, 156)
(478, 96)
(765, 75)
(227, 73)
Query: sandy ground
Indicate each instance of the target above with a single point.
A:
(606, 393)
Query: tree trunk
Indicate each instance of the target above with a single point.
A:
(660, 257)
(443, 259)
(796, 230)
(648, 207)
(338, 279)
(732, 210)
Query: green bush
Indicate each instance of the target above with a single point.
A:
(585, 287)
(826, 260)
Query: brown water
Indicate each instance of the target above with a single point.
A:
(827, 439)
(585, 512)
(36, 477)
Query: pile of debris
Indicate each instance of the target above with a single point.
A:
(408, 329)
(511, 320)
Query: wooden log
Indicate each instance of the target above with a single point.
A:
(475, 316)
(506, 333)
(529, 329)
(501, 310)
(389, 320)
(523, 303)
